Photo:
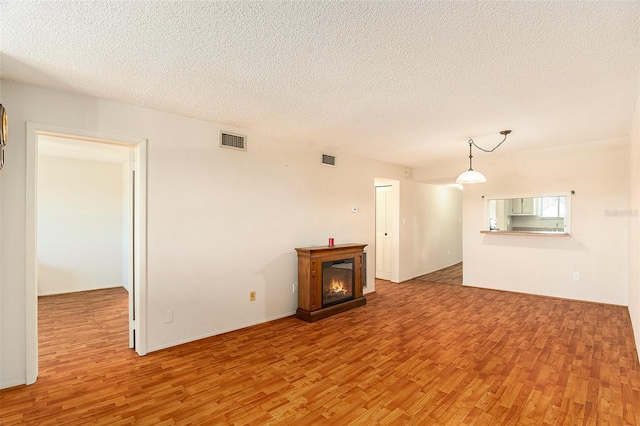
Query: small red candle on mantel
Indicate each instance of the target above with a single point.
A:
(330, 242)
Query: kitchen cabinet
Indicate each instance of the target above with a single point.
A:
(523, 207)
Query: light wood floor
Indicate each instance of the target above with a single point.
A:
(415, 354)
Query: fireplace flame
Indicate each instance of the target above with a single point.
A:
(337, 287)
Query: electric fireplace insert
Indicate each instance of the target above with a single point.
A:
(337, 281)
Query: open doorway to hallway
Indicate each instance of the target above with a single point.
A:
(418, 228)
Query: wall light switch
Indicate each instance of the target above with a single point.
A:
(168, 316)
(295, 287)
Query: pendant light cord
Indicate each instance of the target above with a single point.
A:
(472, 176)
(504, 132)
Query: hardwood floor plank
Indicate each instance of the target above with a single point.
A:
(415, 354)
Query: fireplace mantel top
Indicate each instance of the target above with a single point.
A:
(339, 247)
(319, 250)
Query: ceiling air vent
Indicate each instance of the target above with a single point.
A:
(228, 140)
(328, 160)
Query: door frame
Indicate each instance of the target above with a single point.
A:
(139, 146)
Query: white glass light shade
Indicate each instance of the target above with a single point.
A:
(471, 176)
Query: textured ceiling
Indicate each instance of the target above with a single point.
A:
(403, 82)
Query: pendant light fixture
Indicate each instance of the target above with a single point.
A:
(472, 176)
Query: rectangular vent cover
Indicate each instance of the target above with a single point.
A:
(228, 140)
(329, 160)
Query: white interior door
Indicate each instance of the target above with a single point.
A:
(384, 221)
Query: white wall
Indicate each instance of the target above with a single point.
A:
(12, 247)
(220, 223)
(430, 228)
(634, 223)
(597, 248)
(80, 225)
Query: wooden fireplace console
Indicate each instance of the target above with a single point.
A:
(310, 260)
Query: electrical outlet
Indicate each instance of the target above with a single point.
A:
(252, 296)
(576, 276)
(295, 287)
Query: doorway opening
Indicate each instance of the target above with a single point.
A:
(75, 244)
